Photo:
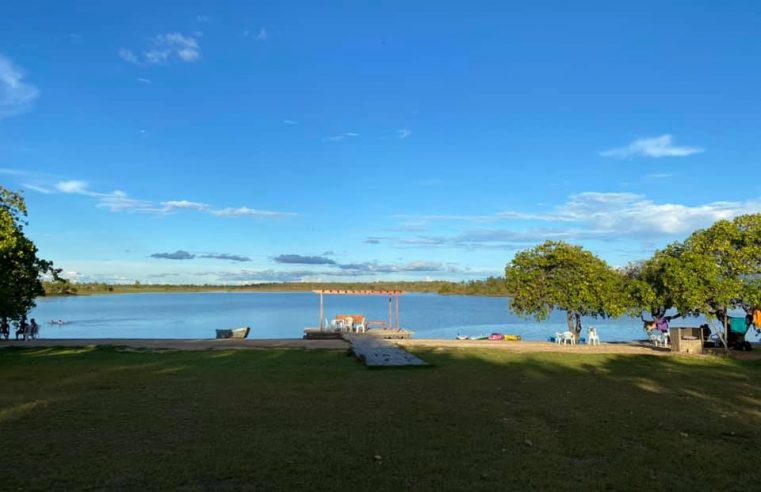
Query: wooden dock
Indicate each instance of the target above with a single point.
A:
(386, 333)
(377, 351)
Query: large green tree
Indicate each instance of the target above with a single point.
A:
(647, 284)
(557, 275)
(718, 269)
(21, 270)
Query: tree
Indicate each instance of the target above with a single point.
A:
(718, 269)
(646, 284)
(20, 268)
(557, 275)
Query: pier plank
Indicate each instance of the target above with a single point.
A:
(380, 352)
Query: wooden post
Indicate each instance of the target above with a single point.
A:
(397, 312)
(322, 313)
(390, 318)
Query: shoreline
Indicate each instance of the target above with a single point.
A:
(184, 344)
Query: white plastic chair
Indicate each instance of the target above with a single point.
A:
(593, 338)
(568, 337)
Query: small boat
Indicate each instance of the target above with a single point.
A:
(462, 337)
(234, 333)
(513, 338)
(480, 337)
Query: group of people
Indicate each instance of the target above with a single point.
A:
(24, 330)
(734, 338)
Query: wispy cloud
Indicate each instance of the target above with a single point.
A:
(304, 260)
(584, 216)
(38, 189)
(662, 146)
(658, 176)
(144, 80)
(128, 56)
(225, 256)
(175, 205)
(341, 136)
(290, 122)
(16, 95)
(263, 34)
(250, 212)
(164, 48)
(404, 133)
(365, 269)
(181, 254)
(177, 255)
(72, 186)
(120, 201)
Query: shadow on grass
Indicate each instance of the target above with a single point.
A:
(319, 420)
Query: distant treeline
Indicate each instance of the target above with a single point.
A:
(492, 286)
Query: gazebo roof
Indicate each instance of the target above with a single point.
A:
(359, 292)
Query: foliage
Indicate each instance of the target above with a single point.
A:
(20, 268)
(557, 275)
(646, 283)
(85, 288)
(718, 268)
(491, 286)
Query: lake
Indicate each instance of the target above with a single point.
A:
(285, 315)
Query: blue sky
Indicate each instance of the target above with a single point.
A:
(230, 142)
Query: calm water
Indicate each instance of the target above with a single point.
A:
(284, 315)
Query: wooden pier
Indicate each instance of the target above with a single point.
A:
(388, 334)
(376, 351)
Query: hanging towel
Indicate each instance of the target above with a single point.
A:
(757, 318)
(737, 325)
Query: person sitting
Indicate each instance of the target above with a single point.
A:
(5, 328)
(34, 329)
(22, 328)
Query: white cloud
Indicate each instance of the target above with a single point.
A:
(341, 136)
(128, 56)
(173, 205)
(72, 186)
(584, 216)
(165, 48)
(404, 133)
(16, 96)
(658, 176)
(290, 122)
(39, 189)
(661, 146)
(263, 34)
(249, 212)
(144, 80)
(120, 201)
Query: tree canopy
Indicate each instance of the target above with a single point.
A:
(557, 275)
(20, 268)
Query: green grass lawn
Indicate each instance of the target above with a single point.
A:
(318, 420)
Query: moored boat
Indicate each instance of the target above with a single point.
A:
(234, 333)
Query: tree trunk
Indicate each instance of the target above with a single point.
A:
(725, 323)
(569, 321)
(578, 325)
